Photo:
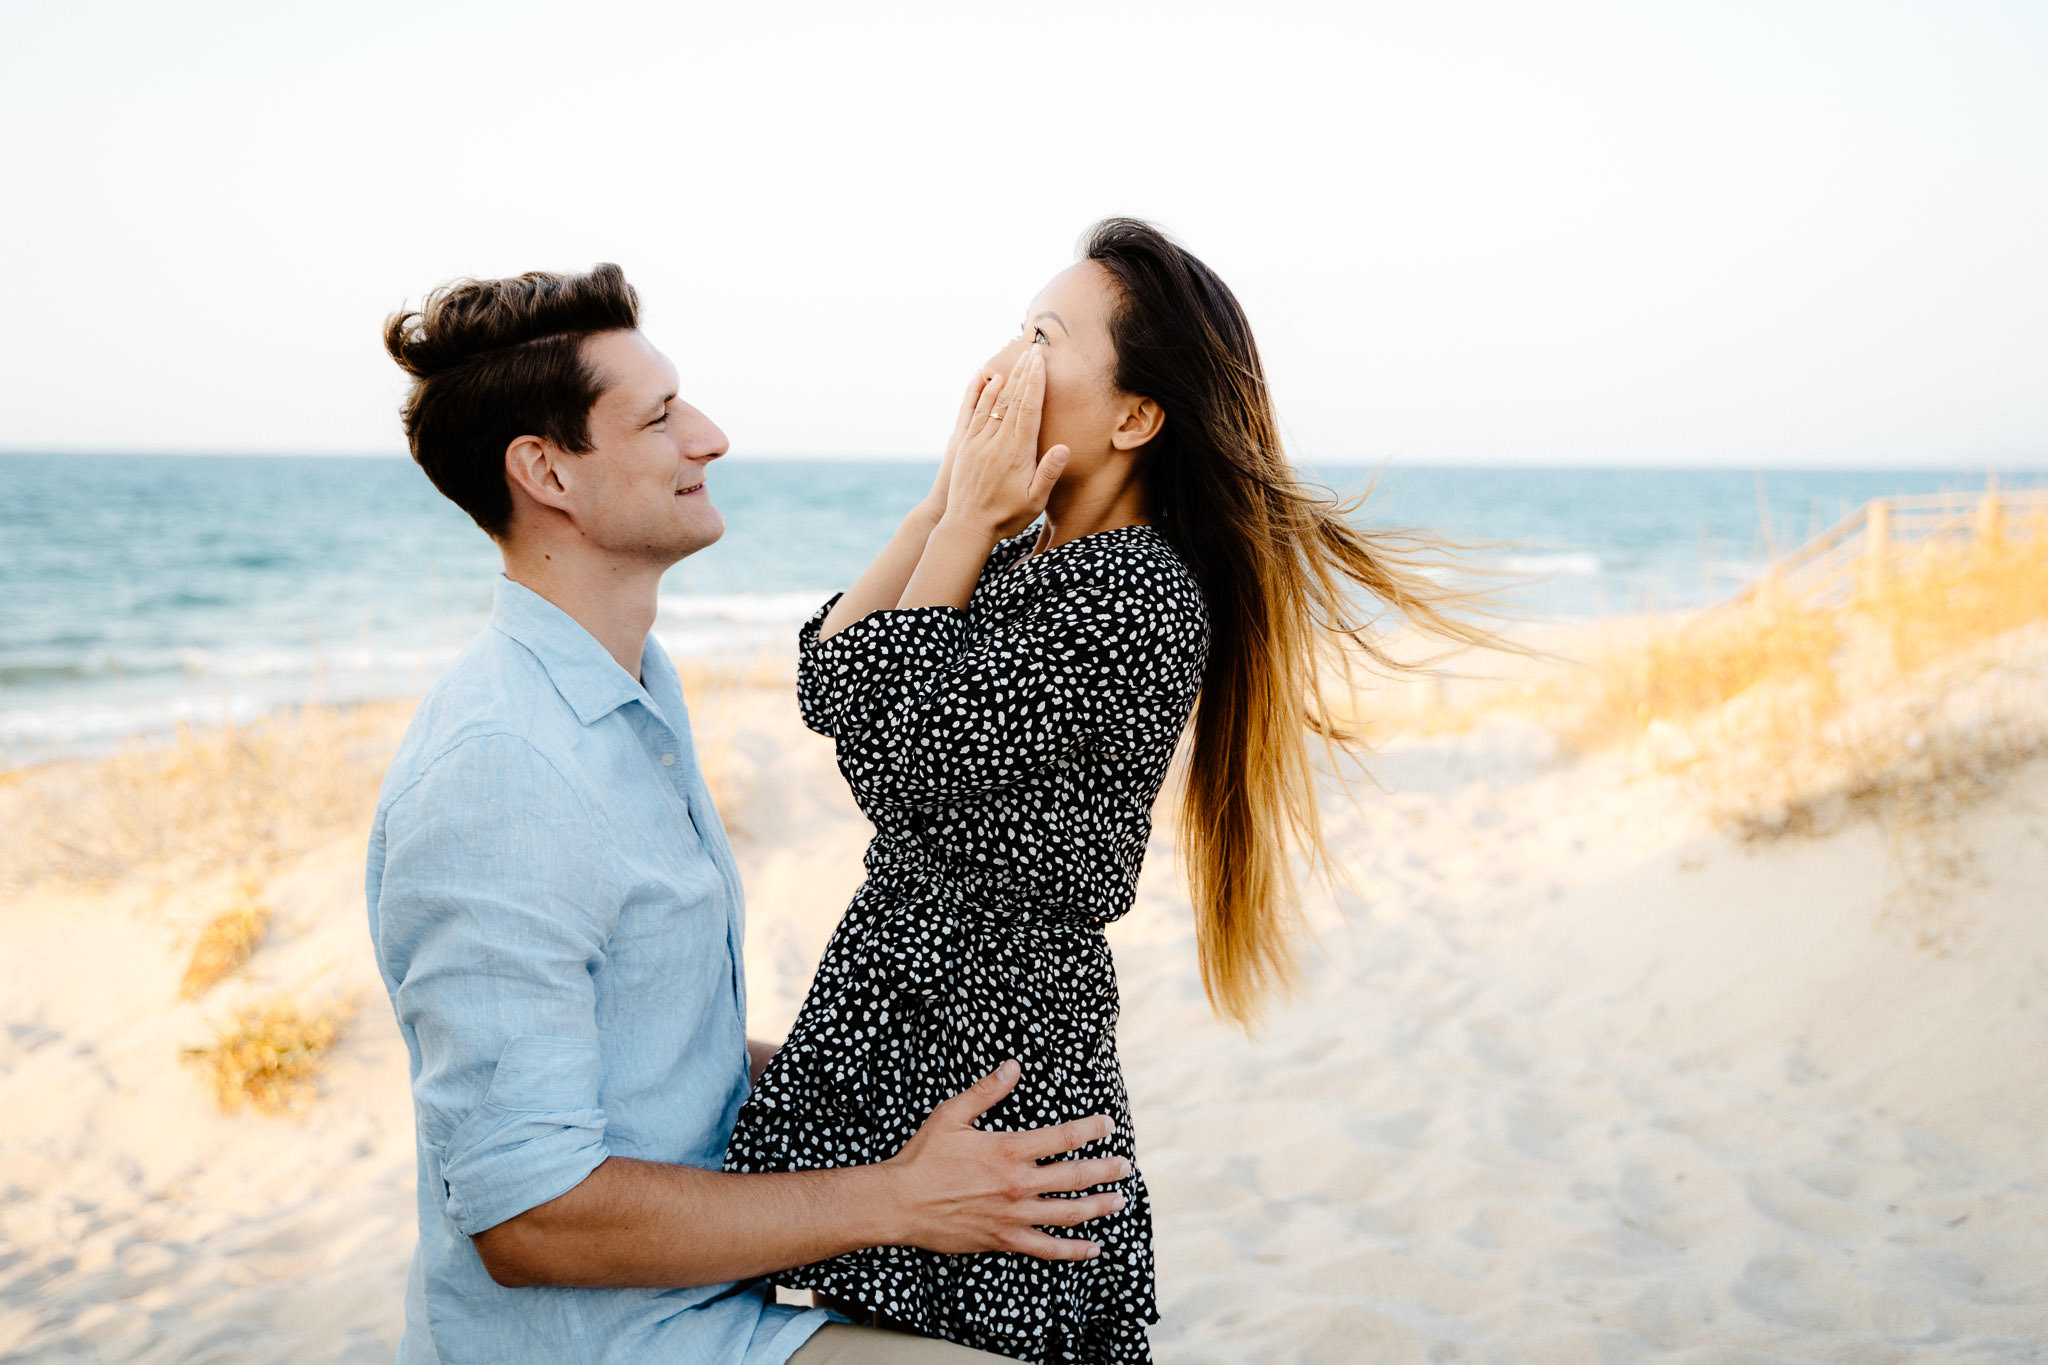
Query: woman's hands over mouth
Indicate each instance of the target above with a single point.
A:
(996, 482)
(996, 485)
(990, 484)
(934, 505)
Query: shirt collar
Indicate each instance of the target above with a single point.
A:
(663, 686)
(581, 669)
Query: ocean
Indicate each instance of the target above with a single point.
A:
(138, 592)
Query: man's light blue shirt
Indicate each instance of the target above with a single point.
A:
(557, 917)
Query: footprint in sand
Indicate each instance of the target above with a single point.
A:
(1799, 1293)
(1539, 1129)
(1794, 1204)
(1835, 1179)
(1491, 1049)
(1668, 1316)
(1316, 1159)
(1912, 1316)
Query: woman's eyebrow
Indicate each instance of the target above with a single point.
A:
(1048, 313)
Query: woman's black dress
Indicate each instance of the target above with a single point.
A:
(1008, 755)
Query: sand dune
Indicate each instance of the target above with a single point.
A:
(1572, 1078)
(1608, 1088)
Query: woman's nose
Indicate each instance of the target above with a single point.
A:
(1001, 362)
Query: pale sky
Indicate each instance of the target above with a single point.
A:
(1641, 233)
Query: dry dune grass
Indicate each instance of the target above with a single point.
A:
(1906, 700)
(1677, 676)
(714, 726)
(1786, 715)
(714, 693)
(254, 798)
(250, 796)
(227, 941)
(268, 1056)
(244, 795)
(1903, 704)
(1954, 594)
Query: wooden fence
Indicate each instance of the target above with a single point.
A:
(1860, 551)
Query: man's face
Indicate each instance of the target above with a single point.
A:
(640, 490)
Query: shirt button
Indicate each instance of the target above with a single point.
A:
(668, 760)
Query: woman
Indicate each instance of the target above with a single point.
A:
(1006, 707)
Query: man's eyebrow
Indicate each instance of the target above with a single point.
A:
(1048, 313)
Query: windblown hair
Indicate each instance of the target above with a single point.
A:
(1293, 586)
(494, 360)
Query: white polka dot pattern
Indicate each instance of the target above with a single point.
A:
(1008, 755)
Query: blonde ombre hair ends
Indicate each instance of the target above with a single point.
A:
(1294, 588)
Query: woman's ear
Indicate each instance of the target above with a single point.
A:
(1141, 422)
(531, 468)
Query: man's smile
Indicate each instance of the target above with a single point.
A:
(696, 487)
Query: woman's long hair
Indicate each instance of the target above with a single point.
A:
(1292, 586)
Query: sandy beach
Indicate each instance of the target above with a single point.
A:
(1642, 398)
(1577, 1072)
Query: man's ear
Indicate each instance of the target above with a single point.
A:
(1143, 420)
(536, 468)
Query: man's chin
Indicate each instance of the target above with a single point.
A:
(705, 532)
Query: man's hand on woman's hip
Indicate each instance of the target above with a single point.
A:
(953, 1188)
(962, 1189)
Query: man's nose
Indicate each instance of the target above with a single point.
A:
(702, 438)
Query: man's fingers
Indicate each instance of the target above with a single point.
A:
(1039, 1143)
(977, 1099)
(1065, 1213)
(1047, 1247)
(1059, 1177)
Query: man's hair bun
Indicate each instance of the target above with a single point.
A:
(494, 360)
(467, 318)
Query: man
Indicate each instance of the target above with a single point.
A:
(556, 912)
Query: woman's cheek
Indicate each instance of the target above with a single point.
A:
(1058, 415)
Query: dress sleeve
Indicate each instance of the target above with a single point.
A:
(815, 695)
(924, 712)
(490, 926)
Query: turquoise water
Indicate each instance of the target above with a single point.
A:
(139, 591)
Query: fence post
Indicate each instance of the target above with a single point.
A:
(1769, 588)
(1990, 522)
(1877, 544)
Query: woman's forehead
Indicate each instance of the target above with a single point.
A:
(1081, 296)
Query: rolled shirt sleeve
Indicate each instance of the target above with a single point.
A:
(490, 925)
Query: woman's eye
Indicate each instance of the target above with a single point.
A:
(1038, 335)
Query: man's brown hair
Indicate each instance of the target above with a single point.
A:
(494, 360)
